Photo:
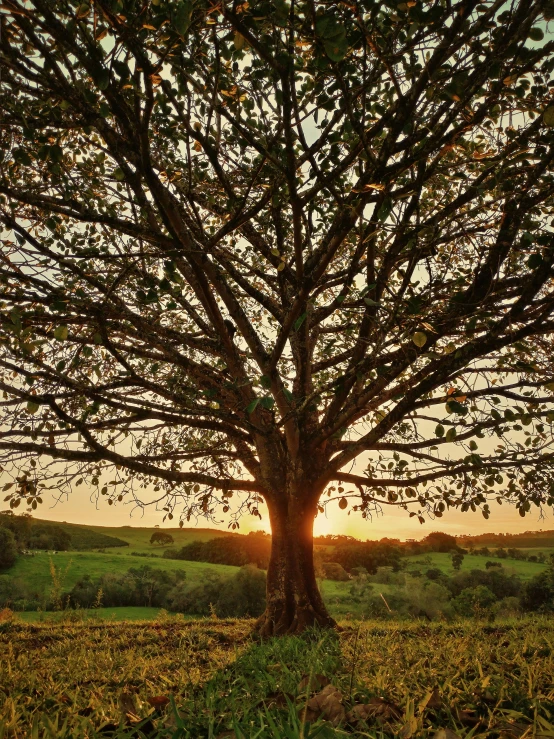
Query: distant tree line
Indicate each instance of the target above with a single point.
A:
(346, 551)
(254, 548)
(239, 595)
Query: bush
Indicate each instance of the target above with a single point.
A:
(242, 595)
(139, 586)
(434, 574)
(334, 571)
(538, 593)
(370, 554)
(162, 538)
(49, 537)
(430, 601)
(489, 564)
(496, 580)
(474, 601)
(8, 549)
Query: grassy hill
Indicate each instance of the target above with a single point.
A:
(137, 538)
(524, 570)
(36, 571)
(211, 679)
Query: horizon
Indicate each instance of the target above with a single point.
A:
(390, 524)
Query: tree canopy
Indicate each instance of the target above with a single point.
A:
(246, 245)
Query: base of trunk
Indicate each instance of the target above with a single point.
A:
(280, 621)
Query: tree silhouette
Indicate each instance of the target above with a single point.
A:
(162, 538)
(247, 244)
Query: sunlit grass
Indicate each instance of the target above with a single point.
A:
(67, 679)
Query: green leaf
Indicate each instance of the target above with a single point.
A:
(536, 34)
(384, 210)
(534, 261)
(439, 430)
(548, 116)
(419, 339)
(299, 321)
(32, 406)
(267, 402)
(336, 49)
(61, 333)
(119, 174)
(253, 405)
(265, 381)
(102, 78)
(182, 17)
(450, 434)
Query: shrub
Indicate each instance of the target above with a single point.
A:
(457, 559)
(50, 537)
(430, 601)
(474, 601)
(538, 593)
(434, 574)
(242, 595)
(334, 571)
(162, 538)
(496, 580)
(8, 549)
(370, 554)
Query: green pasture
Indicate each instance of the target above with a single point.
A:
(423, 562)
(139, 538)
(35, 571)
(108, 614)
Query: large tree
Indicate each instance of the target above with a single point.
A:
(247, 244)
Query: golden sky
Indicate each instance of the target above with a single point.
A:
(393, 523)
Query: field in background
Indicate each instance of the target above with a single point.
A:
(211, 679)
(72, 566)
(35, 572)
(424, 562)
(137, 538)
(134, 613)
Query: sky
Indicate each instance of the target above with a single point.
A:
(393, 523)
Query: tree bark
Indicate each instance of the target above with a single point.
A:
(294, 602)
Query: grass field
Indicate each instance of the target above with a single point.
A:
(138, 538)
(35, 571)
(423, 562)
(134, 613)
(210, 680)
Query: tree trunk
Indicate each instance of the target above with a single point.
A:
(294, 602)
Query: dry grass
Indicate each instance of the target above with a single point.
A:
(84, 679)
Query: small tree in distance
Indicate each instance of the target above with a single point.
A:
(162, 538)
(457, 559)
(247, 245)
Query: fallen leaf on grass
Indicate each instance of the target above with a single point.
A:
(409, 728)
(158, 701)
(467, 716)
(433, 702)
(128, 705)
(378, 709)
(513, 729)
(313, 682)
(326, 704)
(446, 734)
